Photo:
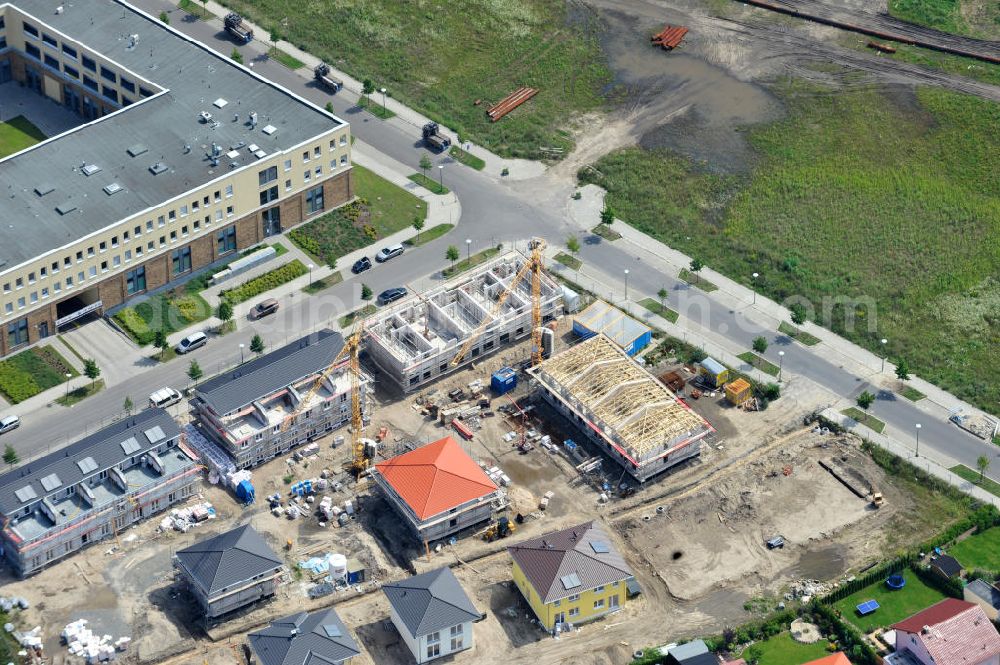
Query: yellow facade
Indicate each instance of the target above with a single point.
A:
(585, 606)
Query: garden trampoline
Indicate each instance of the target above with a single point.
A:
(895, 582)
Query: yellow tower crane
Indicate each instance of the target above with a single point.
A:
(533, 266)
(351, 350)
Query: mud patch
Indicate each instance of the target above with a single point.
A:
(820, 564)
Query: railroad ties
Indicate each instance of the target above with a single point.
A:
(510, 102)
(670, 37)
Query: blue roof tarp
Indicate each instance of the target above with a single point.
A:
(626, 332)
(245, 492)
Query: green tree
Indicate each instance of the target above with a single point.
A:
(273, 34)
(329, 107)
(225, 314)
(194, 371)
(696, 266)
(662, 294)
(902, 370)
(366, 292)
(451, 254)
(798, 312)
(367, 88)
(236, 55)
(607, 215)
(772, 391)
(418, 224)
(128, 406)
(982, 463)
(160, 341)
(573, 244)
(425, 164)
(165, 18)
(91, 369)
(865, 400)
(257, 344)
(759, 344)
(10, 455)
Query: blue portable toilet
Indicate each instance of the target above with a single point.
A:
(503, 380)
(245, 492)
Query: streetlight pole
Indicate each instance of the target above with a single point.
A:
(310, 266)
(468, 249)
(918, 440)
(384, 109)
(626, 286)
(441, 176)
(884, 342)
(781, 362)
(68, 377)
(241, 354)
(754, 287)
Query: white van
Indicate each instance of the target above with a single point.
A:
(163, 398)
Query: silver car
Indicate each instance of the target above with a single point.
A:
(9, 423)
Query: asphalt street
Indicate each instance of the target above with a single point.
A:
(491, 212)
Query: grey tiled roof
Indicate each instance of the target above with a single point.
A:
(319, 638)
(72, 463)
(431, 601)
(550, 561)
(270, 373)
(228, 559)
(984, 590)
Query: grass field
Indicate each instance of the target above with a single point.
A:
(32, 371)
(17, 134)
(171, 311)
(81, 393)
(315, 287)
(381, 206)
(606, 232)
(912, 394)
(980, 551)
(866, 419)
(697, 280)
(432, 185)
(973, 476)
(375, 108)
(430, 234)
(798, 335)
(911, 195)
(569, 261)
(441, 59)
(655, 307)
(783, 650)
(285, 59)
(467, 158)
(760, 363)
(347, 320)
(893, 605)
(471, 262)
(977, 18)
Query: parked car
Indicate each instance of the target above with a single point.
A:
(192, 342)
(391, 295)
(390, 252)
(264, 308)
(361, 265)
(164, 397)
(776, 543)
(9, 423)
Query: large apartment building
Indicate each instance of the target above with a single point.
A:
(266, 407)
(182, 158)
(92, 489)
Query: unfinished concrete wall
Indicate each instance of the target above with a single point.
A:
(221, 604)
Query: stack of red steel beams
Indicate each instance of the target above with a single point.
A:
(670, 37)
(510, 102)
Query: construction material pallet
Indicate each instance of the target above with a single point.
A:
(670, 37)
(510, 102)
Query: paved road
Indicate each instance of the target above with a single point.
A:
(491, 212)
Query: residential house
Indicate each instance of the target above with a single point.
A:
(249, 409)
(838, 658)
(230, 571)
(317, 638)
(986, 595)
(946, 566)
(951, 632)
(437, 489)
(93, 489)
(570, 576)
(432, 614)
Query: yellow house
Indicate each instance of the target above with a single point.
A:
(570, 576)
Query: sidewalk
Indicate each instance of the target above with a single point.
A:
(764, 312)
(406, 118)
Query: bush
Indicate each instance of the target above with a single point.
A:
(134, 325)
(266, 282)
(15, 384)
(772, 391)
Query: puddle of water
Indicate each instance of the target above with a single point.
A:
(822, 564)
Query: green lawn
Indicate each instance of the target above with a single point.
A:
(81, 393)
(912, 394)
(427, 183)
(798, 335)
(430, 234)
(762, 364)
(605, 231)
(322, 284)
(381, 209)
(348, 320)
(977, 18)
(8, 645)
(195, 9)
(569, 261)
(783, 650)
(265, 282)
(893, 605)
(467, 158)
(866, 419)
(981, 551)
(913, 194)
(697, 280)
(471, 262)
(375, 108)
(285, 59)
(33, 371)
(655, 307)
(973, 476)
(17, 134)
(170, 311)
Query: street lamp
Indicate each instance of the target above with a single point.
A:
(918, 440)
(441, 176)
(754, 287)
(384, 109)
(626, 285)
(781, 361)
(468, 249)
(310, 266)
(884, 342)
(68, 377)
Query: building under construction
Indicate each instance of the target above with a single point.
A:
(620, 407)
(92, 489)
(266, 407)
(415, 341)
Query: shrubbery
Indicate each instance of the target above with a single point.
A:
(32, 371)
(135, 326)
(266, 282)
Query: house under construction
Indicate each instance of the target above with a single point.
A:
(623, 409)
(415, 341)
(92, 489)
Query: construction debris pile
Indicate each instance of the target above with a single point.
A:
(84, 643)
(182, 519)
(30, 641)
(303, 501)
(805, 590)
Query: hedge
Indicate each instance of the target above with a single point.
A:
(876, 574)
(849, 640)
(951, 587)
(266, 282)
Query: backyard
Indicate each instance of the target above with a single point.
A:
(31, 372)
(17, 134)
(783, 650)
(380, 210)
(911, 195)
(981, 551)
(452, 64)
(893, 605)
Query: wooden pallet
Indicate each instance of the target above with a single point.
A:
(510, 102)
(670, 37)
